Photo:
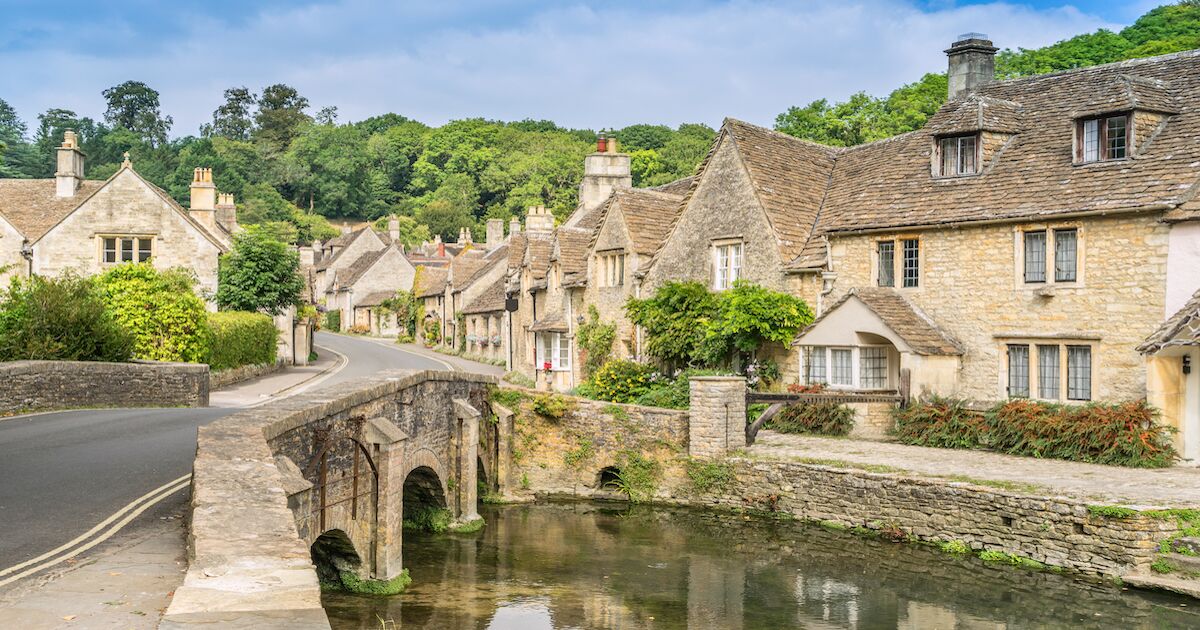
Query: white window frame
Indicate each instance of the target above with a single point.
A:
(1034, 375)
(558, 345)
(728, 260)
(856, 380)
(135, 242)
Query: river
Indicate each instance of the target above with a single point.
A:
(579, 565)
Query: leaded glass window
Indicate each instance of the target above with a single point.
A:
(1048, 372)
(1035, 257)
(841, 367)
(1079, 372)
(1066, 253)
(912, 264)
(887, 263)
(1018, 371)
(872, 364)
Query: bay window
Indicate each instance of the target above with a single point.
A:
(856, 367)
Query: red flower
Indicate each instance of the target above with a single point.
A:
(546, 366)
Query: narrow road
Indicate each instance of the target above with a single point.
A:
(63, 473)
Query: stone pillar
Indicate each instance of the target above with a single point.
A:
(389, 462)
(717, 417)
(468, 457)
(504, 435)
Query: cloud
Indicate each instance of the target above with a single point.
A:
(579, 65)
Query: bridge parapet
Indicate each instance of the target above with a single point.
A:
(268, 482)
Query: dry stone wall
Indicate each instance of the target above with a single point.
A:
(42, 385)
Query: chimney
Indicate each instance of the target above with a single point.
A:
(69, 173)
(308, 257)
(514, 226)
(494, 235)
(972, 64)
(204, 198)
(227, 212)
(439, 246)
(394, 228)
(603, 171)
(539, 219)
(346, 229)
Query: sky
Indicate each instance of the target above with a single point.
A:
(580, 63)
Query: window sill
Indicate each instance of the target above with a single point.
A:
(1098, 163)
(955, 178)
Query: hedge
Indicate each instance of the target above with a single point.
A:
(60, 318)
(1120, 434)
(159, 308)
(240, 338)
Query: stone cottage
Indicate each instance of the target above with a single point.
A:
(1025, 243)
(69, 222)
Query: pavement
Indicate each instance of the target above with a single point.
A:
(1177, 486)
(92, 500)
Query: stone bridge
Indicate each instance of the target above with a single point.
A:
(334, 472)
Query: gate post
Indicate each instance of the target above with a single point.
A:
(717, 415)
(468, 457)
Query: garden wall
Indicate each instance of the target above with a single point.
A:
(44, 385)
(225, 378)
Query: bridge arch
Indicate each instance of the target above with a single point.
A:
(332, 553)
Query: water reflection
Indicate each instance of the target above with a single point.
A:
(588, 566)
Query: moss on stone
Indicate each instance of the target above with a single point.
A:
(469, 527)
(352, 583)
(1112, 511)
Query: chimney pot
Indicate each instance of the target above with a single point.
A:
(601, 143)
(972, 64)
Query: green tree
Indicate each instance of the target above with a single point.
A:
(330, 167)
(280, 115)
(234, 118)
(643, 137)
(675, 321)
(134, 106)
(259, 274)
(750, 317)
(60, 318)
(160, 309)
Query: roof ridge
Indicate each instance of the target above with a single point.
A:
(785, 136)
(1124, 63)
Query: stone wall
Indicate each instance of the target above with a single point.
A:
(1116, 302)
(42, 385)
(231, 376)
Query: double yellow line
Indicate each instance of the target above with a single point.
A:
(101, 532)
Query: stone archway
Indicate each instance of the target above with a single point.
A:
(333, 553)
(423, 490)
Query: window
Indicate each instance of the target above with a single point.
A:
(887, 263)
(118, 249)
(1018, 371)
(1065, 255)
(814, 365)
(911, 270)
(555, 349)
(1103, 138)
(841, 364)
(1048, 372)
(872, 363)
(1079, 373)
(1035, 256)
(959, 156)
(727, 265)
(612, 269)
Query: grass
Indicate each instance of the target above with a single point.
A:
(1001, 557)
(470, 527)
(433, 520)
(509, 398)
(617, 412)
(839, 463)
(582, 452)
(957, 547)
(1161, 566)
(709, 475)
(1112, 511)
(1014, 486)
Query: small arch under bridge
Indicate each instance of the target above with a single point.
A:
(366, 456)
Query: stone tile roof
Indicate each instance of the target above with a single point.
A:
(464, 267)
(32, 206)
(490, 260)
(1130, 92)
(678, 187)
(539, 246)
(976, 113)
(342, 241)
(571, 247)
(916, 328)
(358, 268)
(490, 301)
(431, 281)
(887, 184)
(649, 215)
(1180, 329)
(552, 322)
(374, 299)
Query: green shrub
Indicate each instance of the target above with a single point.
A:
(433, 331)
(240, 338)
(941, 422)
(333, 320)
(595, 340)
(637, 476)
(61, 319)
(551, 406)
(429, 519)
(1121, 434)
(160, 309)
(709, 475)
(619, 381)
(822, 418)
(673, 394)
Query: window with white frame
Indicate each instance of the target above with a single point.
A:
(858, 367)
(118, 249)
(958, 155)
(553, 348)
(612, 269)
(1102, 138)
(911, 263)
(727, 265)
(1060, 371)
(1050, 255)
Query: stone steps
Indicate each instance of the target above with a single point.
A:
(1180, 585)
(1183, 563)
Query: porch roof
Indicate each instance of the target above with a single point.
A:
(1180, 329)
(916, 331)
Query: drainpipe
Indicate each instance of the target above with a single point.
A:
(827, 280)
(27, 254)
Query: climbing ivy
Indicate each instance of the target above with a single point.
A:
(595, 338)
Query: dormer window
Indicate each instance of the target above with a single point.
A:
(958, 156)
(1103, 138)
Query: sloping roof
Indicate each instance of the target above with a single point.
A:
(464, 267)
(33, 207)
(538, 248)
(649, 215)
(431, 281)
(490, 301)
(1180, 329)
(374, 299)
(342, 242)
(790, 177)
(552, 322)
(677, 187)
(359, 267)
(976, 113)
(490, 260)
(571, 251)
(1130, 92)
(887, 184)
(916, 328)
